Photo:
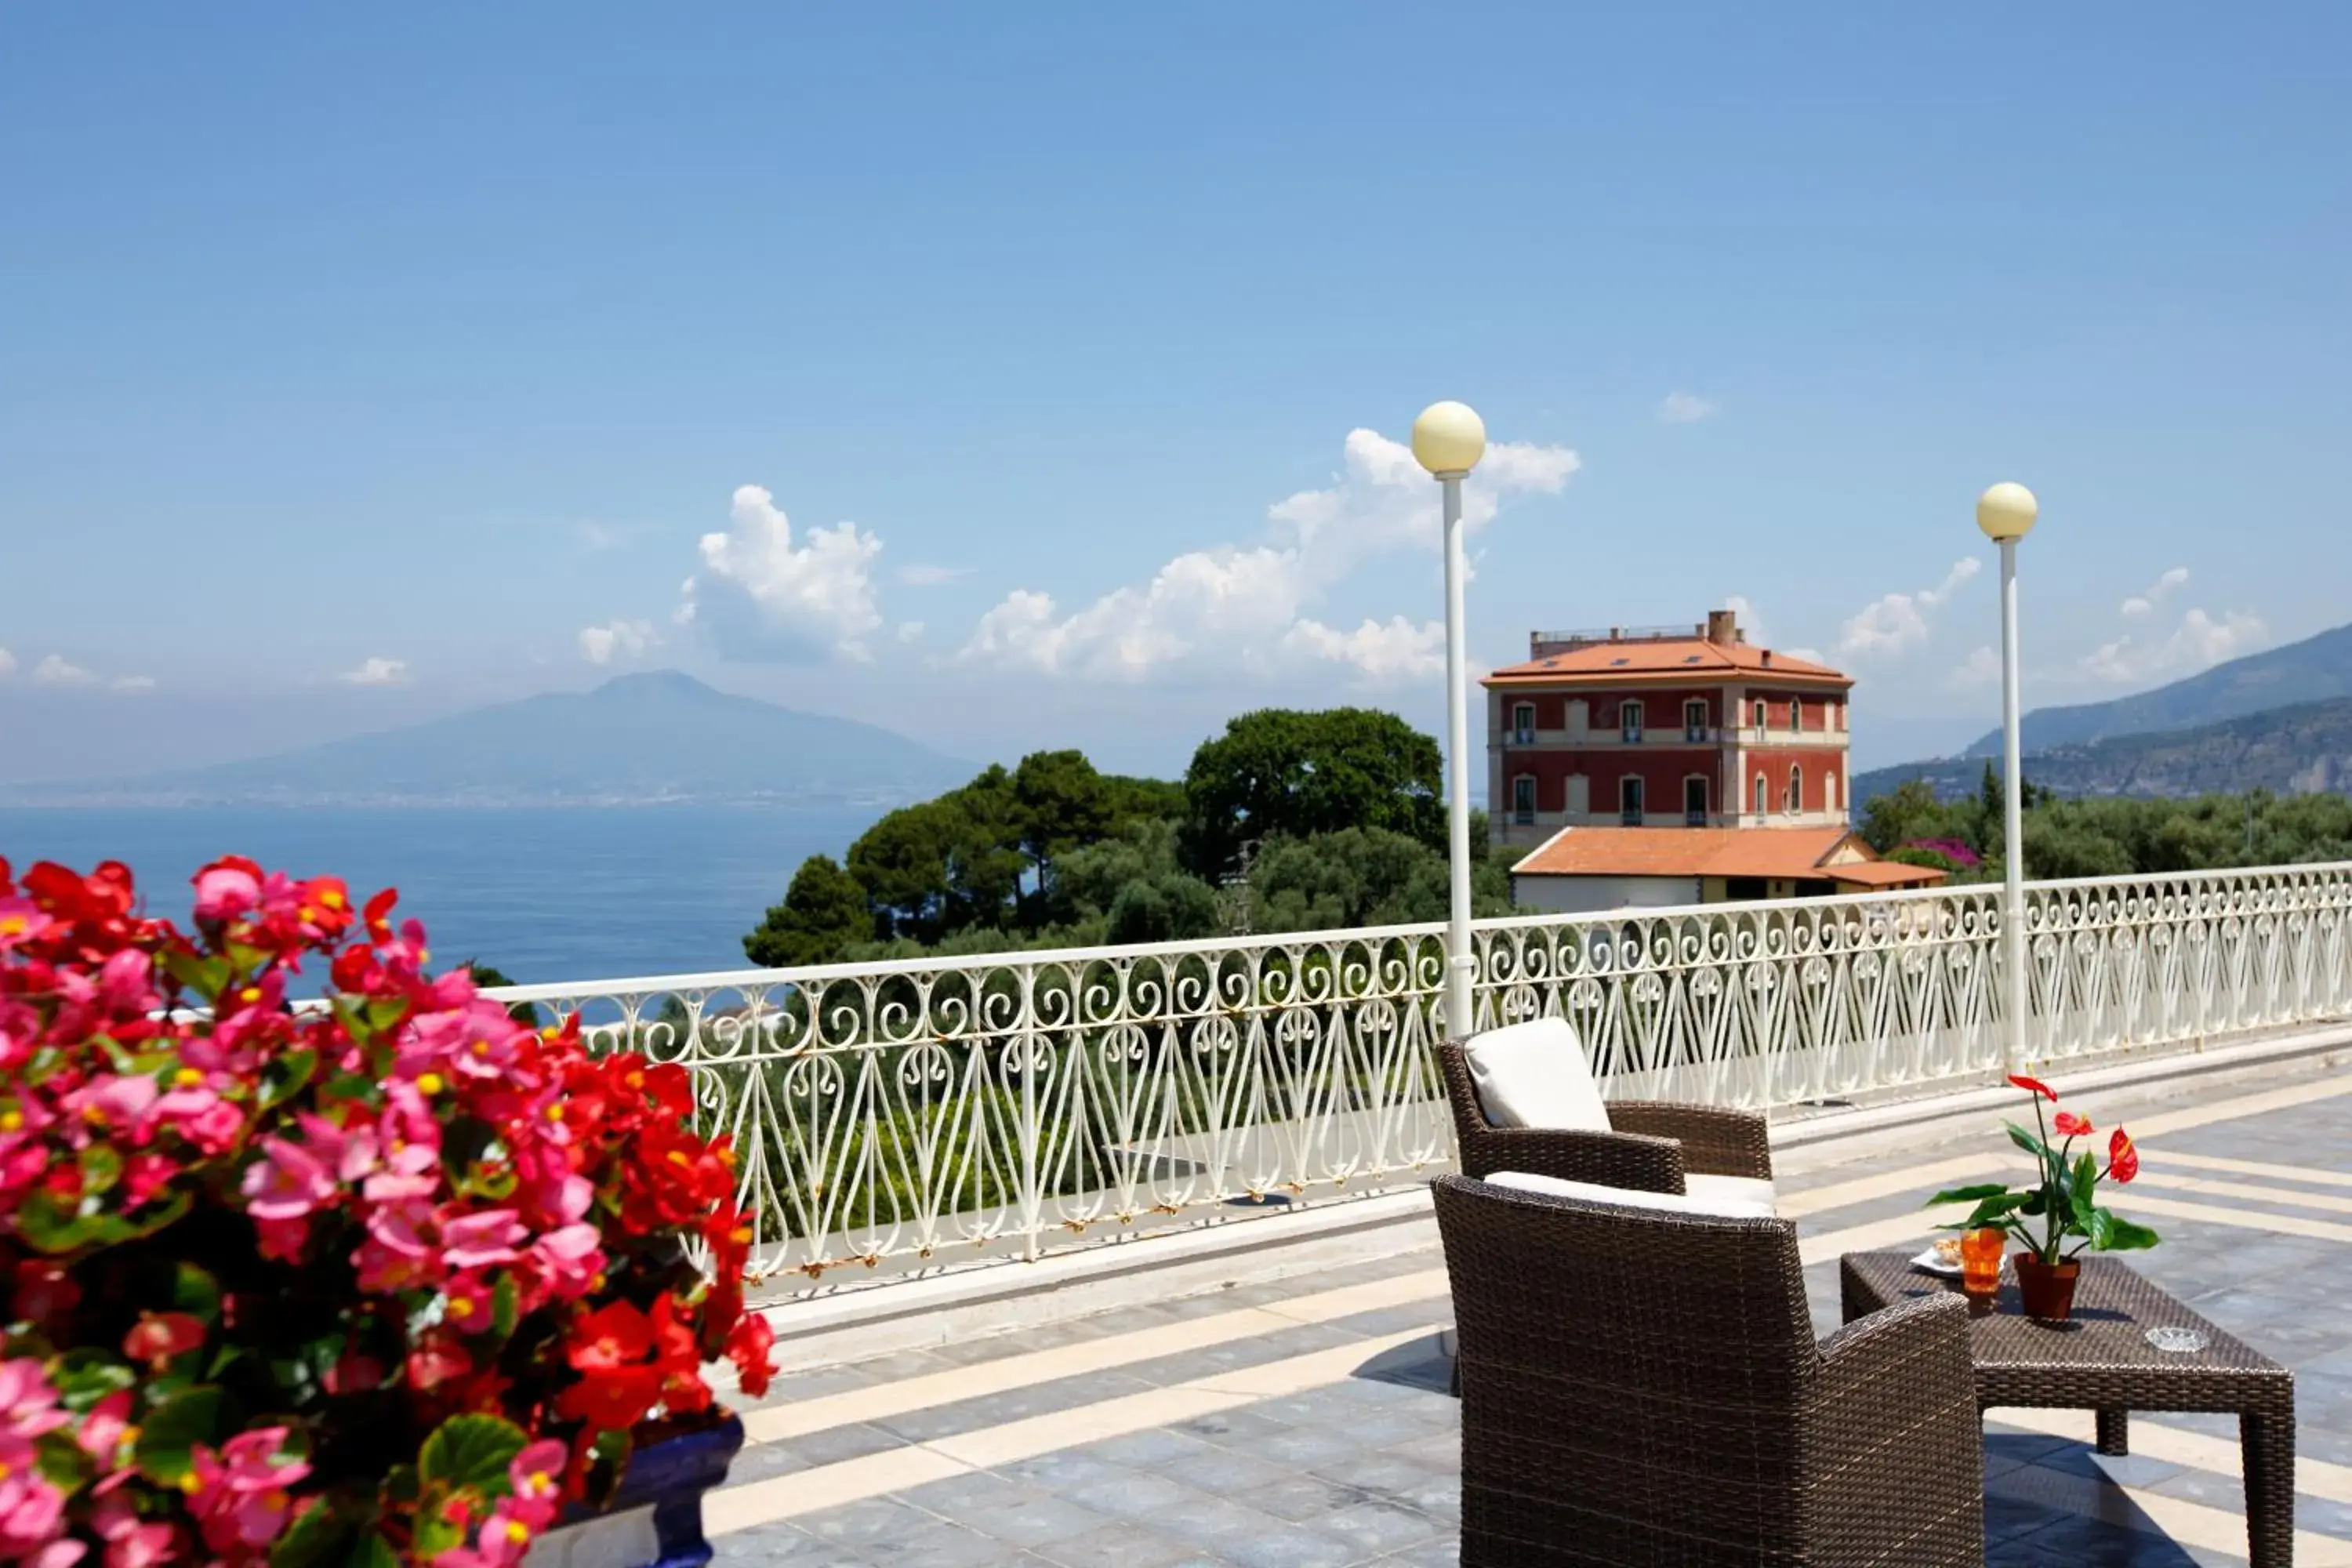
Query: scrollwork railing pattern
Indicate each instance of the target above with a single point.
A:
(934, 1108)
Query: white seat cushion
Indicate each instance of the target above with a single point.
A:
(1732, 1189)
(1534, 1075)
(1627, 1197)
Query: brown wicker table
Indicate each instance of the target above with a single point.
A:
(2101, 1360)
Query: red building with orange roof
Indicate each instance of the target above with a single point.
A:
(1663, 766)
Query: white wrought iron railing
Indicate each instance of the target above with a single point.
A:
(924, 1109)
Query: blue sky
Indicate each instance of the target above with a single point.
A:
(353, 365)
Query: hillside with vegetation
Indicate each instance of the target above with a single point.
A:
(2315, 670)
(2110, 836)
(2302, 749)
(1287, 821)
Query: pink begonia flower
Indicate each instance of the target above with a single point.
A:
(32, 1513)
(393, 1257)
(288, 1183)
(352, 1151)
(22, 921)
(554, 1193)
(103, 1429)
(126, 981)
(130, 1543)
(570, 1260)
(537, 1478)
(504, 1535)
(282, 1240)
(28, 1401)
(239, 1495)
(158, 1337)
(144, 1176)
(468, 1307)
(60, 1553)
(225, 892)
(354, 1373)
(216, 1129)
(113, 1099)
(479, 1240)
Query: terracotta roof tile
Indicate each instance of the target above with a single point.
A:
(1797, 853)
(1665, 656)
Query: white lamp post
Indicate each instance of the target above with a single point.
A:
(2006, 513)
(1448, 439)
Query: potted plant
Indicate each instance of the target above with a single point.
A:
(2058, 1218)
(392, 1278)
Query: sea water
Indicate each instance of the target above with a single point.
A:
(544, 894)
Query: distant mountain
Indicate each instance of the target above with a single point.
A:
(639, 738)
(2305, 748)
(2312, 671)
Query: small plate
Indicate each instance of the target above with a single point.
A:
(1933, 1263)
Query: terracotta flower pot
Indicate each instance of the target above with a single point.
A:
(2047, 1288)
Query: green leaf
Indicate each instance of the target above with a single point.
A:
(61, 1461)
(400, 1484)
(195, 1292)
(318, 1534)
(101, 1168)
(207, 977)
(283, 1077)
(1968, 1195)
(2027, 1142)
(115, 1229)
(471, 1451)
(86, 1376)
(174, 1427)
(435, 1536)
(1995, 1210)
(2125, 1235)
(505, 1300)
(373, 1550)
(2083, 1190)
(48, 1225)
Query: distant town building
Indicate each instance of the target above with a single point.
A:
(1670, 766)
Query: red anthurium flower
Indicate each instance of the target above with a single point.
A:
(2070, 1125)
(2123, 1156)
(2033, 1086)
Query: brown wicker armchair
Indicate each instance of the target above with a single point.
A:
(1652, 1145)
(1644, 1388)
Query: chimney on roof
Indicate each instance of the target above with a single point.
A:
(1616, 634)
(1768, 658)
(1723, 627)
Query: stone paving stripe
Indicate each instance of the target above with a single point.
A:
(2307, 1173)
(737, 1507)
(1026, 1369)
(1830, 1245)
(2327, 1203)
(1951, 1171)
(730, 1509)
(2178, 1445)
(2155, 1513)
(2249, 1219)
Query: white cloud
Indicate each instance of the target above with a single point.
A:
(909, 630)
(377, 671)
(625, 639)
(763, 598)
(1395, 650)
(1981, 668)
(134, 684)
(1244, 607)
(1684, 408)
(1899, 621)
(55, 670)
(2145, 602)
(1747, 617)
(7, 663)
(918, 576)
(2198, 643)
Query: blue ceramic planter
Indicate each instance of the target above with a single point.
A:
(655, 1520)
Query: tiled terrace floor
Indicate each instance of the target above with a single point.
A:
(1305, 1425)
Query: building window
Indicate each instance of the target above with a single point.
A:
(1695, 800)
(1797, 713)
(1796, 789)
(1763, 796)
(1629, 721)
(1523, 724)
(1695, 719)
(1629, 802)
(1837, 711)
(1523, 800)
(1759, 715)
